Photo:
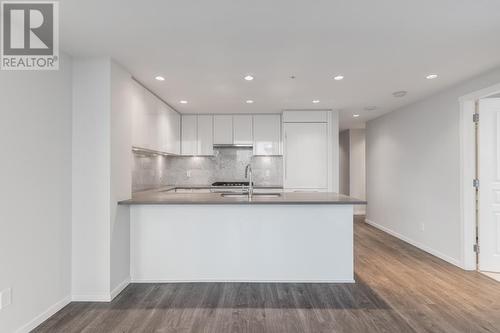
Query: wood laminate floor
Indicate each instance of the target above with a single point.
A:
(399, 289)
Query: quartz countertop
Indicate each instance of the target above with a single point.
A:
(166, 196)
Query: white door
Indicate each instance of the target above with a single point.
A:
(242, 130)
(489, 190)
(306, 155)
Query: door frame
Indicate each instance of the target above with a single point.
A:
(468, 173)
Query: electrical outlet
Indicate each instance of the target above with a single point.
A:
(268, 172)
(188, 173)
(422, 226)
(5, 298)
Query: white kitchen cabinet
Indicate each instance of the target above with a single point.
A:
(205, 135)
(197, 135)
(139, 126)
(242, 130)
(189, 135)
(152, 110)
(309, 116)
(223, 129)
(267, 134)
(155, 126)
(306, 156)
(170, 130)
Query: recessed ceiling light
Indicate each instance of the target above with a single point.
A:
(371, 108)
(431, 76)
(316, 101)
(249, 101)
(160, 78)
(248, 77)
(355, 115)
(400, 93)
(338, 77)
(183, 102)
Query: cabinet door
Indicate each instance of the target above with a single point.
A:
(205, 132)
(189, 144)
(223, 130)
(309, 116)
(139, 136)
(267, 134)
(163, 127)
(152, 128)
(306, 155)
(173, 132)
(242, 130)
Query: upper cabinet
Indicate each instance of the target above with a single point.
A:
(233, 130)
(197, 135)
(223, 130)
(311, 116)
(172, 136)
(205, 135)
(155, 126)
(189, 135)
(242, 130)
(267, 134)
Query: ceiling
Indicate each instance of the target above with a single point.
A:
(205, 48)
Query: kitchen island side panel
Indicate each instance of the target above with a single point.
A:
(252, 243)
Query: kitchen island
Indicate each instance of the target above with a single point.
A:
(272, 237)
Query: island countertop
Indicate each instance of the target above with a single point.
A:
(165, 196)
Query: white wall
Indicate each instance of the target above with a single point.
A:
(121, 175)
(35, 214)
(413, 170)
(102, 156)
(91, 178)
(352, 166)
(357, 173)
(344, 152)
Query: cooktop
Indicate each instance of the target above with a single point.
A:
(231, 184)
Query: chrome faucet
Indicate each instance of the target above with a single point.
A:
(249, 175)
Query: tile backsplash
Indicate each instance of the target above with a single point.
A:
(227, 164)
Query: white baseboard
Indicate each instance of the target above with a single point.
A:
(243, 281)
(119, 288)
(425, 248)
(44, 315)
(101, 297)
(90, 298)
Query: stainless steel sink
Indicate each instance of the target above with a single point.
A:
(234, 195)
(267, 195)
(245, 195)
